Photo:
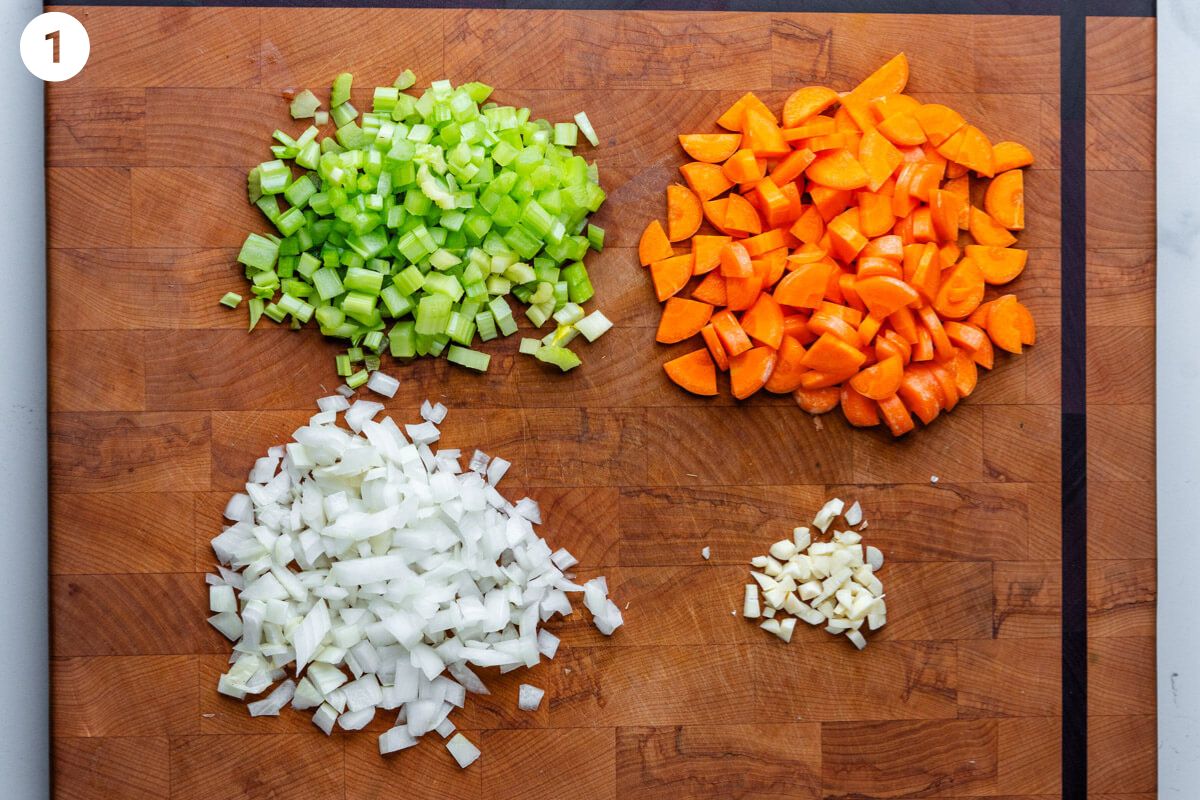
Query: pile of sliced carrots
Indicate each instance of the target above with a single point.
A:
(834, 269)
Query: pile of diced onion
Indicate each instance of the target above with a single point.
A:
(830, 583)
(366, 572)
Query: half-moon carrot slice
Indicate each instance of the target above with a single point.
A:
(1010, 155)
(654, 244)
(715, 212)
(804, 287)
(838, 169)
(872, 266)
(694, 372)
(890, 343)
(986, 230)
(761, 135)
(816, 126)
(889, 246)
(933, 323)
(889, 79)
(975, 152)
(682, 319)
(830, 202)
(785, 377)
(875, 214)
(732, 119)
(878, 157)
(861, 412)
(965, 373)
(979, 317)
(818, 400)
(889, 104)
(833, 355)
(711, 148)
(998, 264)
(809, 227)
(880, 380)
(938, 122)
(750, 370)
(964, 335)
(670, 275)
(920, 393)
(706, 252)
(742, 167)
(807, 102)
(763, 321)
(902, 129)
(684, 212)
(735, 261)
(712, 289)
(706, 180)
(1026, 325)
(1004, 323)
(821, 324)
(946, 207)
(792, 166)
(896, 416)
(923, 349)
(943, 375)
(883, 295)
(715, 348)
(740, 217)
(1004, 199)
(961, 291)
(729, 331)
(742, 292)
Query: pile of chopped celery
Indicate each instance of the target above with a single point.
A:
(408, 229)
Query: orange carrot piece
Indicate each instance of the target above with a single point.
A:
(711, 148)
(927, 273)
(890, 343)
(923, 349)
(896, 415)
(654, 244)
(706, 252)
(684, 212)
(938, 122)
(961, 291)
(833, 355)
(712, 289)
(868, 328)
(888, 246)
(922, 225)
(838, 140)
(943, 375)
(1004, 199)
(816, 126)
(729, 331)
(890, 79)
(861, 412)
(694, 372)
(670, 275)
(740, 217)
(881, 380)
(844, 122)
(884, 296)
(767, 241)
(1026, 325)
(965, 374)
(946, 208)
(902, 129)
(965, 335)
(976, 152)
(920, 393)
(809, 227)
(715, 348)
(846, 284)
(761, 134)
(796, 326)
(742, 292)
(681, 319)
(878, 157)
(904, 324)
(804, 286)
(845, 236)
(1010, 155)
(715, 212)
(875, 214)
(986, 230)
(792, 192)
(792, 166)
(817, 400)
(732, 119)
(775, 262)
(872, 266)
(1004, 324)
(933, 324)
(773, 203)
(979, 317)
(821, 324)
(838, 169)
(896, 103)
(948, 254)
(850, 315)
(706, 180)
(807, 102)
(750, 370)
(742, 167)
(735, 261)
(830, 202)
(998, 264)
(785, 378)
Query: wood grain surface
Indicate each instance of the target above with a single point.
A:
(160, 402)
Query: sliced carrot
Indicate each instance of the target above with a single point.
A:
(816, 126)
(767, 241)
(933, 324)
(875, 214)
(742, 292)
(927, 272)
(1010, 155)
(998, 264)
(1004, 199)
(792, 166)
(715, 348)
(846, 282)
(654, 244)
(838, 140)
(920, 393)
(807, 102)
(809, 227)
(986, 230)
(868, 328)
(976, 152)
(706, 180)
(706, 252)
(844, 120)
(785, 378)
(845, 236)
(694, 372)
(742, 167)
(885, 247)
(881, 380)
(943, 373)
(902, 129)
(684, 212)
(729, 331)
(938, 122)
(896, 415)
(946, 208)
(833, 355)
(711, 148)
(896, 103)
(762, 135)
(890, 79)
(773, 203)
(878, 157)
(670, 275)
(819, 399)
(715, 212)
(924, 181)
(955, 171)
(740, 217)
(682, 319)
(763, 321)
(979, 317)
(749, 371)
(965, 374)
(775, 262)
(1004, 323)
(796, 326)
(804, 286)
(850, 315)
(838, 169)
(904, 324)
(961, 291)
(891, 343)
(830, 202)
(923, 349)
(1026, 325)
(948, 254)
(732, 119)
(872, 266)
(951, 148)
(861, 412)
(735, 261)
(884, 296)
(821, 324)
(964, 335)
(922, 225)
(712, 289)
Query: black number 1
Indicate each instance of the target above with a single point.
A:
(53, 37)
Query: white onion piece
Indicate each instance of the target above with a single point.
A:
(445, 728)
(382, 384)
(270, 705)
(705, 553)
(854, 514)
(529, 697)
(874, 557)
(463, 751)
(395, 739)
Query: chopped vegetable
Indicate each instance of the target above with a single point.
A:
(411, 224)
(833, 270)
(378, 573)
(233, 300)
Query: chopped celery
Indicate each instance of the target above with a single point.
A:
(357, 379)
(560, 357)
(231, 299)
(411, 225)
(343, 365)
(594, 325)
(529, 346)
(471, 359)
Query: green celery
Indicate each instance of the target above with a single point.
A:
(231, 299)
(341, 89)
(357, 379)
(256, 310)
(471, 359)
(560, 357)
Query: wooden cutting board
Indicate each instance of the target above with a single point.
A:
(160, 402)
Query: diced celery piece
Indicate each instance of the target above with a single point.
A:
(231, 299)
(595, 237)
(529, 346)
(341, 89)
(405, 80)
(304, 105)
(433, 314)
(274, 312)
(373, 341)
(343, 365)
(471, 359)
(568, 314)
(258, 252)
(357, 379)
(485, 325)
(256, 306)
(560, 357)
(585, 127)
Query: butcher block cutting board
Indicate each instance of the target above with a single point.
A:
(160, 402)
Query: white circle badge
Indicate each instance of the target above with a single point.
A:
(55, 46)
